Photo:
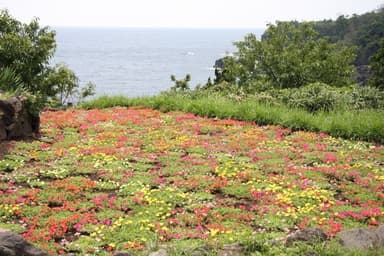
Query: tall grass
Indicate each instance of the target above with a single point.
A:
(365, 125)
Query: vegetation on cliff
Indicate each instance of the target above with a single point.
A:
(25, 54)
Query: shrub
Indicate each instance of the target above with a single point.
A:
(367, 97)
(313, 97)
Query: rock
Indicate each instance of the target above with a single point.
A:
(362, 239)
(122, 254)
(3, 133)
(12, 244)
(308, 235)
(16, 121)
(219, 63)
(380, 234)
(230, 250)
(161, 252)
(204, 250)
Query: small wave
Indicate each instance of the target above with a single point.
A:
(227, 54)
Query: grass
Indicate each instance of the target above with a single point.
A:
(134, 179)
(367, 125)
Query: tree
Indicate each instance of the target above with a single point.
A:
(63, 82)
(377, 68)
(181, 85)
(291, 55)
(26, 50)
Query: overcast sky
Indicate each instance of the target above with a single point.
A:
(181, 13)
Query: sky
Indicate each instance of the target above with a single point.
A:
(181, 13)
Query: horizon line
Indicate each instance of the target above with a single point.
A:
(149, 27)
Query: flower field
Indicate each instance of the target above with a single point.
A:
(130, 179)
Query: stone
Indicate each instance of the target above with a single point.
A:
(122, 254)
(203, 250)
(308, 235)
(160, 252)
(230, 250)
(16, 121)
(380, 234)
(12, 244)
(362, 239)
(3, 133)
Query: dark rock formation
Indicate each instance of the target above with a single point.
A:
(12, 244)
(16, 121)
(362, 239)
(219, 63)
(308, 235)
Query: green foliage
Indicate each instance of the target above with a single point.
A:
(364, 31)
(26, 49)
(25, 52)
(65, 85)
(181, 85)
(9, 80)
(313, 97)
(363, 97)
(289, 56)
(63, 82)
(86, 91)
(377, 68)
(231, 72)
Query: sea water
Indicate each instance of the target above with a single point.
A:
(139, 62)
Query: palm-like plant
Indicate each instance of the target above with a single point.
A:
(9, 80)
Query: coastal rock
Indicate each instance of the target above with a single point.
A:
(308, 235)
(16, 121)
(362, 239)
(219, 63)
(12, 244)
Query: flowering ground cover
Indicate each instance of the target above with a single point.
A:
(130, 179)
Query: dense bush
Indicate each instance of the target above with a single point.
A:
(363, 97)
(25, 54)
(313, 97)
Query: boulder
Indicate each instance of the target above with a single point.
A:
(3, 133)
(362, 238)
(12, 244)
(122, 254)
(380, 234)
(308, 235)
(231, 250)
(204, 250)
(161, 252)
(16, 121)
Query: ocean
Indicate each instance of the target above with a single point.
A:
(139, 62)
